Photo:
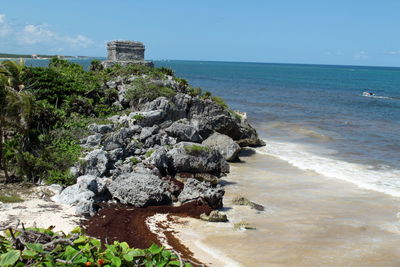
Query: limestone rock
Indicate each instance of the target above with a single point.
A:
(195, 158)
(184, 132)
(194, 190)
(118, 139)
(101, 128)
(96, 163)
(148, 118)
(140, 189)
(84, 194)
(215, 216)
(228, 148)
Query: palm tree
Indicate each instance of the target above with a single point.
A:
(15, 105)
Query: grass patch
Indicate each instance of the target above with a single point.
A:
(10, 198)
(149, 153)
(138, 117)
(135, 160)
(196, 149)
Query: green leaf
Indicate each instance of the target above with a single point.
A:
(28, 254)
(81, 239)
(174, 263)
(9, 258)
(116, 262)
(35, 247)
(154, 249)
(137, 252)
(128, 257)
(69, 252)
(77, 230)
(162, 263)
(95, 242)
(166, 254)
(188, 265)
(124, 246)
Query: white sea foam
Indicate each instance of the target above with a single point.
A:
(385, 181)
(377, 96)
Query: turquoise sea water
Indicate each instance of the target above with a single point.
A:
(313, 116)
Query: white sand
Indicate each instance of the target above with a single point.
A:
(35, 211)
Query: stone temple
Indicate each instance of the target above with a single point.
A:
(125, 52)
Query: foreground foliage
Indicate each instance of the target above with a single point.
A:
(43, 247)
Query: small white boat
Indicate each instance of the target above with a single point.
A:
(368, 94)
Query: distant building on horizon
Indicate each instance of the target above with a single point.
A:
(125, 52)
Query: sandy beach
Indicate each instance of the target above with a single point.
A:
(309, 220)
(38, 210)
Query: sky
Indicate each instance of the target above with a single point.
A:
(340, 32)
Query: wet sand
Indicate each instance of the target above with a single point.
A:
(309, 220)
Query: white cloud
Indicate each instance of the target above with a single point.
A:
(5, 28)
(31, 34)
(396, 52)
(34, 34)
(79, 41)
(361, 55)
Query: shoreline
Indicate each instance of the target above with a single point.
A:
(292, 233)
(310, 220)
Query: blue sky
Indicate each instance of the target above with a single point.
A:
(348, 32)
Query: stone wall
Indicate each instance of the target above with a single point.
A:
(125, 52)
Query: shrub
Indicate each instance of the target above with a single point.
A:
(77, 249)
(167, 71)
(96, 65)
(144, 89)
(194, 91)
(48, 159)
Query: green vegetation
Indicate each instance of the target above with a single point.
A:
(43, 247)
(149, 153)
(196, 149)
(143, 89)
(135, 160)
(138, 117)
(13, 198)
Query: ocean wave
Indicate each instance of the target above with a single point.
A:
(385, 181)
(377, 96)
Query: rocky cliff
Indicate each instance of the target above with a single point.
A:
(169, 149)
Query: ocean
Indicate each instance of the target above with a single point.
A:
(313, 116)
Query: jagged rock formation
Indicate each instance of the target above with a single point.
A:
(165, 150)
(125, 52)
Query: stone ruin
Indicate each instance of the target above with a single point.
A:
(125, 52)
